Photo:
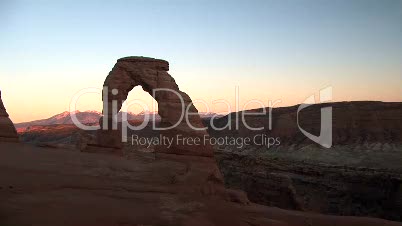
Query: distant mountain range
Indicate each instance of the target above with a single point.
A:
(92, 118)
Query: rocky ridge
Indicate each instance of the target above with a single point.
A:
(359, 175)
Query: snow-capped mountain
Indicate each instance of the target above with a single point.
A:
(92, 118)
(86, 117)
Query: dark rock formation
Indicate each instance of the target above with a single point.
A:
(7, 129)
(152, 75)
(324, 188)
(361, 174)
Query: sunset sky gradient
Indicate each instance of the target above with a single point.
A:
(283, 49)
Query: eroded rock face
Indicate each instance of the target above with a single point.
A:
(358, 123)
(7, 129)
(173, 104)
(359, 175)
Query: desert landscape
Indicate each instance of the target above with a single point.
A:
(77, 176)
(201, 113)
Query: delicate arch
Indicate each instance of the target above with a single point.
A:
(152, 74)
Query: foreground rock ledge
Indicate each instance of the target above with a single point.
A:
(47, 187)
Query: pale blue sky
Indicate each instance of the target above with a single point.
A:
(272, 50)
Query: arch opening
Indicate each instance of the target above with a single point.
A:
(174, 106)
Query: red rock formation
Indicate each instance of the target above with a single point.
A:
(152, 75)
(41, 186)
(7, 129)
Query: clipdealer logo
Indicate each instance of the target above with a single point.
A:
(325, 137)
(261, 139)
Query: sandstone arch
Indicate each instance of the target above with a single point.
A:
(151, 74)
(7, 129)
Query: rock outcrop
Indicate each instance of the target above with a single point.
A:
(361, 174)
(174, 106)
(7, 129)
(317, 187)
(42, 186)
(179, 118)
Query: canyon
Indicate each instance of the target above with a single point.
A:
(359, 175)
